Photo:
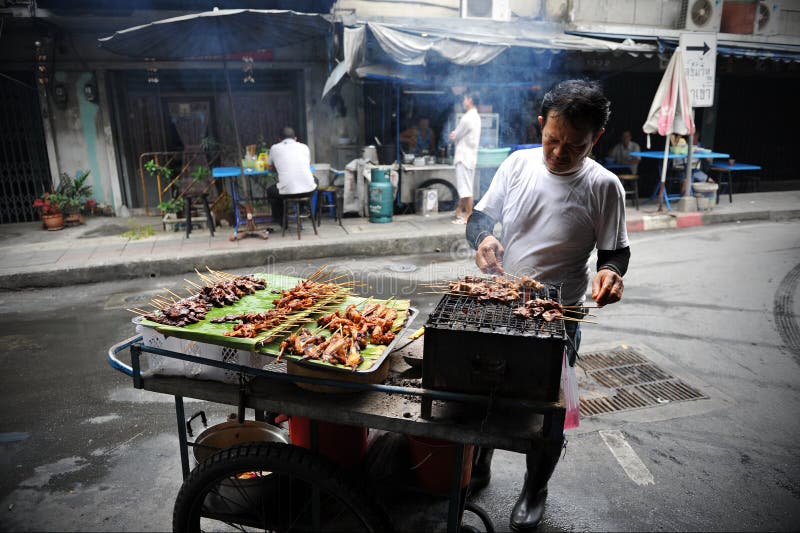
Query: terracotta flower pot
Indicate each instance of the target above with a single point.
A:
(53, 222)
(73, 219)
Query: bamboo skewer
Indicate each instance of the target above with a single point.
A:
(204, 279)
(193, 284)
(172, 293)
(576, 320)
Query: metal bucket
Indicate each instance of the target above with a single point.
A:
(230, 433)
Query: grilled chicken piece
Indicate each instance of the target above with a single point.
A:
(551, 314)
(352, 313)
(353, 355)
(336, 349)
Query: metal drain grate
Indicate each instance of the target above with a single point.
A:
(632, 381)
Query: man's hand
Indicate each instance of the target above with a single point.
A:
(489, 257)
(452, 136)
(607, 287)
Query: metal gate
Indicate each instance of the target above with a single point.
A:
(24, 168)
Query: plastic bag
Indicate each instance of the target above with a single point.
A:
(569, 382)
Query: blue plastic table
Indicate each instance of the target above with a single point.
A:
(234, 173)
(617, 166)
(659, 154)
(727, 170)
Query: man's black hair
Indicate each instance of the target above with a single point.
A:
(474, 96)
(288, 133)
(581, 102)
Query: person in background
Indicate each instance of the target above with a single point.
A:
(556, 206)
(533, 133)
(292, 161)
(467, 136)
(419, 139)
(620, 153)
(679, 145)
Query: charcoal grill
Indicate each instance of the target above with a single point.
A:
(484, 348)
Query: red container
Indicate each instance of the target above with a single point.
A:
(432, 463)
(344, 444)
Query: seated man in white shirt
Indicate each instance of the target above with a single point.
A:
(292, 161)
(620, 153)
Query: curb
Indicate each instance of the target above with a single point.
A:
(693, 219)
(225, 259)
(351, 246)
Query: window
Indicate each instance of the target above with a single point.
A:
(489, 9)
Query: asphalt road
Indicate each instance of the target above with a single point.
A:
(717, 307)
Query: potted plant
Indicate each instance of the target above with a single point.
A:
(170, 209)
(50, 206)
(76, 193)
(223, 210)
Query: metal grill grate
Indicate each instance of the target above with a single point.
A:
(634, 381)
(467, 313)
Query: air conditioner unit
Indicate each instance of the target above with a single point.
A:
(700, 15)
(486, 9)
(766, 22)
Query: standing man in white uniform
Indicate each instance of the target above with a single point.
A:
(467, 136)
(292, 161)
(555, 205)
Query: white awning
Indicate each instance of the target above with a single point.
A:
(465, 42)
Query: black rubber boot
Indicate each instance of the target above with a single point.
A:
(529, 509)
(481, 468)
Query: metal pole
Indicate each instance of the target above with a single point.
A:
(687, 181)
(397, 137)
(663, 194)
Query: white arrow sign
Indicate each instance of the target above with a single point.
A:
(700, 65)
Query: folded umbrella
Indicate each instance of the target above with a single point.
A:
(671, 110)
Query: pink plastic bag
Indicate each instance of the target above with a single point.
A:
(569, 382)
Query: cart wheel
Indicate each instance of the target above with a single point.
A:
(445, 191)
(480, 513)
(273, 487)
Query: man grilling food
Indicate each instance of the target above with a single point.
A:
(556, 206)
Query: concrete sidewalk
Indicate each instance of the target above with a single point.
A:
(97, 251)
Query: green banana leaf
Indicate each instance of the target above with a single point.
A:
(208, 332)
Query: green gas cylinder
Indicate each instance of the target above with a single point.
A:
(381, 199)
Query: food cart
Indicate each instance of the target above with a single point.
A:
(277, 486)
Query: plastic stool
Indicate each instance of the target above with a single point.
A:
(331, 199)
(299, 201)
(632, 181)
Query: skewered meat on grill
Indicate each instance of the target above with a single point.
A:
(548, 309)
(546, 303)
(497, 289)
(528, 282)
(551, 314)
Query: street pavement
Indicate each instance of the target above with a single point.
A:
(98, 251)
(714, 306)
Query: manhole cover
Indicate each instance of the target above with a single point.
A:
(629, 381)
(402, 267)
